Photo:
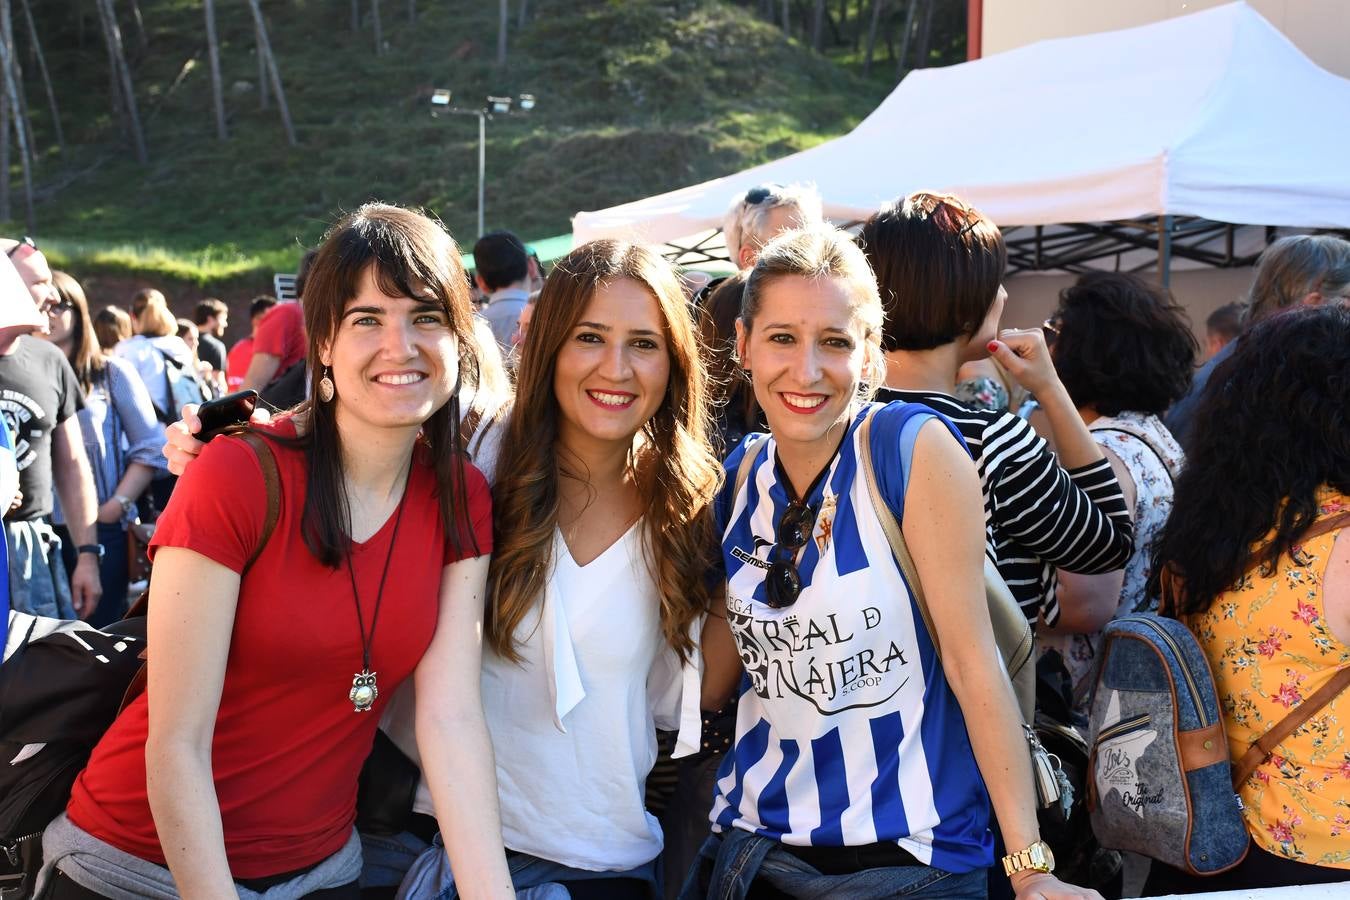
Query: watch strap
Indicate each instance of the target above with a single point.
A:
(1036, 858)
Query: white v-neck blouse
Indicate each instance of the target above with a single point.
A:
(573, 725)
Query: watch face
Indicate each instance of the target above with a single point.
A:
(1042, 857)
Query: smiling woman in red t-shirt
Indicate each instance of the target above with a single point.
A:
(239, 765)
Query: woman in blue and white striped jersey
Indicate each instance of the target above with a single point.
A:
(863, 765)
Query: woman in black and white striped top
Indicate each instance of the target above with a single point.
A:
(939, 264)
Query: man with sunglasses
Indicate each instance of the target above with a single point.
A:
(765, 211)
(39, 396)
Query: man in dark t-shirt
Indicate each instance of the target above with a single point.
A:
(212, 317)
(39, 397)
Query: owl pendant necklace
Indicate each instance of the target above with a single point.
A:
(364, 691)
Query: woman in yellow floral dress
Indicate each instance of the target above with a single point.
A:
(1260, 538)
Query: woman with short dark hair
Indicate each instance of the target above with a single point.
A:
(939, 264)
(1125, 352)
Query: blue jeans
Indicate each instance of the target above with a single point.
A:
(37, 574)
(534, 878)
(386, 859)
(730, 862)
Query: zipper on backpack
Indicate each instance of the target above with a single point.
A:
(1123, 726)
(12, 850)
(1191, 686)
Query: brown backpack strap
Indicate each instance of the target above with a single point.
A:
(1172, 587)
(468, 426)
(272, 481)
(1264, 746)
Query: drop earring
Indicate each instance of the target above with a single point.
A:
(326, 388)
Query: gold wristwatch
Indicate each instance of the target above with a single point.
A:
(1036, 858)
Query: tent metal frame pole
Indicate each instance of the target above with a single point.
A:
(1165, 250)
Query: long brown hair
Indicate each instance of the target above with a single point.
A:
(677, 473)
(150, 310)
(409, 253)
(85, 356)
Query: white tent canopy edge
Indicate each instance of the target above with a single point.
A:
(1215, 115)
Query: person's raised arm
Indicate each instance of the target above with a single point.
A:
(74, 483)
(452, 736)
(181, 448)
(1087, 602)
(944, 528)
(262, 368)
(190, 626)
(1024, 355)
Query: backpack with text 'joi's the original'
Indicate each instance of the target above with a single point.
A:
(1159, 778)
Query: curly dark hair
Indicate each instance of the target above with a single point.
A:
(1123, 344)
(1271, 428)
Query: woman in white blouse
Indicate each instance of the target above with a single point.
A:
(602, 544)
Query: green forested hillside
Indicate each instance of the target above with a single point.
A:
(634, 97)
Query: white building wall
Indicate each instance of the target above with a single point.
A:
(1320, 28)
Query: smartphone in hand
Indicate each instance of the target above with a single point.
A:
(225, 412)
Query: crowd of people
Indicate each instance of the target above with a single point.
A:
(648, 514)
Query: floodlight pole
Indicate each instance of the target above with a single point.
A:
(441, 103)
(482, 164)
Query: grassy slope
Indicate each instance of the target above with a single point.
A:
(635, 97)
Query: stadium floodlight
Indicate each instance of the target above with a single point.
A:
(496, 106)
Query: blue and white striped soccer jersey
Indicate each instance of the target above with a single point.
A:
(847, 732)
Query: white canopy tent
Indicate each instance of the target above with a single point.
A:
(1215, 115)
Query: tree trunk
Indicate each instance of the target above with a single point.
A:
(262, 69)
(505, 15)
(356, 16)
(6, 213)
(412, 12)
(904, 39)
(925, 34)
(25, 119)
(877, 7)
(46, 77)
(787, 19)
(142, 42)
(10, 66)
(265, 47)
(213, 58)
(818, 26)
(375, 26)
(524, 11)
(112, 36)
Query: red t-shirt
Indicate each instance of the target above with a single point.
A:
(236, 362)
(281, 333)
(288, 745)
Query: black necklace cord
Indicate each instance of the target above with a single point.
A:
(379, 595)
